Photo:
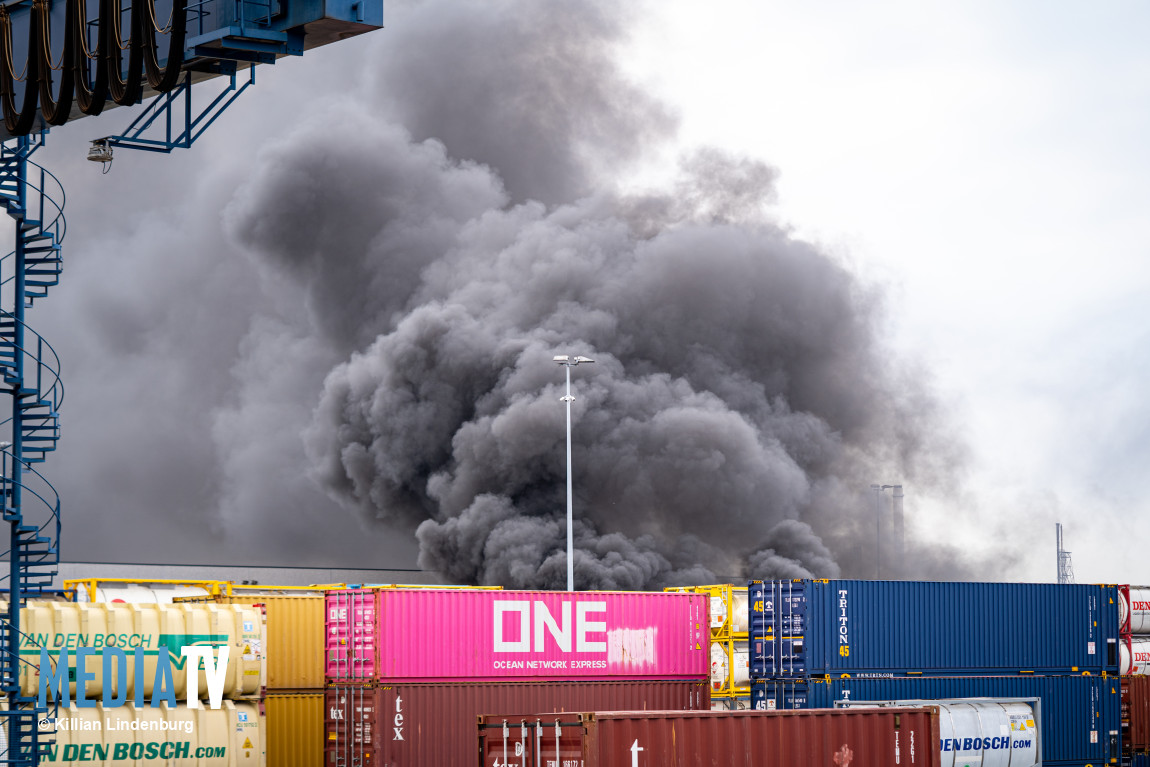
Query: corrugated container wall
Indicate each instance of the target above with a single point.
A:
(425, 725)
(294, 725)
(383, 636)
(1081, 715)
(864, 737)
(813, 628)
(230, 736)
(294, 637)
(1136, 713)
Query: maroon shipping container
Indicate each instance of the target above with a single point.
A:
(906, 737)
(433, 725)
(1136, 712)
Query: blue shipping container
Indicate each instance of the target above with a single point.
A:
(1081, 715)
(806, 628)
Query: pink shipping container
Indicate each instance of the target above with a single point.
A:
(906, 737)
(433, 725)
(376, 636)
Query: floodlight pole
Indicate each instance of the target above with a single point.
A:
(570, 527)
(569, 362)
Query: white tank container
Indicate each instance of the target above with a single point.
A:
(134, 593)
(982, 731)
(1138, 610)
(1139, 664)
(730, 665)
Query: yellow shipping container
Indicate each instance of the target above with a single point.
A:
(230, 736)
(730, 613)
(154, 629)
(294, 635)
(294, 724)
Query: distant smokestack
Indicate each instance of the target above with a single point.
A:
(899, 539)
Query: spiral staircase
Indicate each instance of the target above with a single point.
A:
(30, 372)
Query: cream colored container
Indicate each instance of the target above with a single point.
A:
(294, 726)
(151, 628)
(294, 635)
(233, 735)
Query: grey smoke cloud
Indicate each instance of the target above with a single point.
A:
(375, 299)
(533, 89)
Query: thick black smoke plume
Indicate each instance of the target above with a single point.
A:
(422, 250)
(740, 397)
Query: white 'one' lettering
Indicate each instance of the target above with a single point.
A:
(524, 610)
(584, 626)
(562, 635)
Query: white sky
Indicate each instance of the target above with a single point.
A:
(990, 162)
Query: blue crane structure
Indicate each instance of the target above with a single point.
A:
(81, 59)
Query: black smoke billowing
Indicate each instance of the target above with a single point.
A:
(424, 250)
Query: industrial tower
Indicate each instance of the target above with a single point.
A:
(1065, 568)
(77, 62)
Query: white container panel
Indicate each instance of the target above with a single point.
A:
(740, 613)
(982, 731)
(1138, 609)
(1134, 659)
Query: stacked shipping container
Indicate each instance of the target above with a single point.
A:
(409, 671)
(817, 642)
(292, 698)
(1134, 652)
(730, 657)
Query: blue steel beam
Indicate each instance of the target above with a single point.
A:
(219, 32)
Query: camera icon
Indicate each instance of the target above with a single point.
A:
(46, 724)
